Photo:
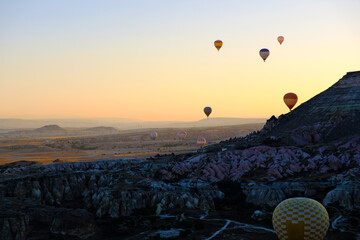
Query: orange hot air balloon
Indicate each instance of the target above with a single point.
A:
(207, 111)
(280, 39)
(290, 100)
(218, 44)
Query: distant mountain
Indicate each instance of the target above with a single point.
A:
(45, 131)
(55, 130)
(101, 130)
(51, 129)
(228, 121)
(13, 123)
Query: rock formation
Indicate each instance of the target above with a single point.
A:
(313, 151)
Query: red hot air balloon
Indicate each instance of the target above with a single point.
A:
(280, 39)
(218, 44)
(290, 100)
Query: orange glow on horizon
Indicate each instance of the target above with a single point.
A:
(158, 66)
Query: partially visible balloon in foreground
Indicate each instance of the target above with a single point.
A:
(201, 141)
(182, 135)
(207, 111)
(300, 219)
(280, 39)
(218, 44)
(153, 135)
(290, 100)
(264, 53)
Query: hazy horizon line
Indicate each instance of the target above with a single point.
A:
(120, 118)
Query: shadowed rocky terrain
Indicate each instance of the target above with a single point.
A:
(224, 191)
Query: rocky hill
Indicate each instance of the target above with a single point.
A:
(330, 115)
(45, 131)
(51, 129)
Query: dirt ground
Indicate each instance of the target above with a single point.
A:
(129, 144)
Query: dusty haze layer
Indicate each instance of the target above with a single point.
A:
(122, 123)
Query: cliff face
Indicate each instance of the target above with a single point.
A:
(351, 79)
(330, 115)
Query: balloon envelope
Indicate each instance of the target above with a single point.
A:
(201, 141)
(264, 53)
(290, 100)
(218, 44)
(153, 135)
(207, 111)
(300, 219)
(182, 134)
(280, 39)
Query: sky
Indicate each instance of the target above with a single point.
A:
(155, 60)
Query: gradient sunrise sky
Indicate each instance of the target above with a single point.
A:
(155, 60)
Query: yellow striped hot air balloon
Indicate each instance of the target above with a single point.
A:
(290, 100)
(300, 219)
(218, 44)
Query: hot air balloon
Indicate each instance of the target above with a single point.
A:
(290, 100)
(182, 135)
(300, 219)
(201, 141)
(280, 39)
(153, 135)
(207, 111)
(218, 44)
(264, 53)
